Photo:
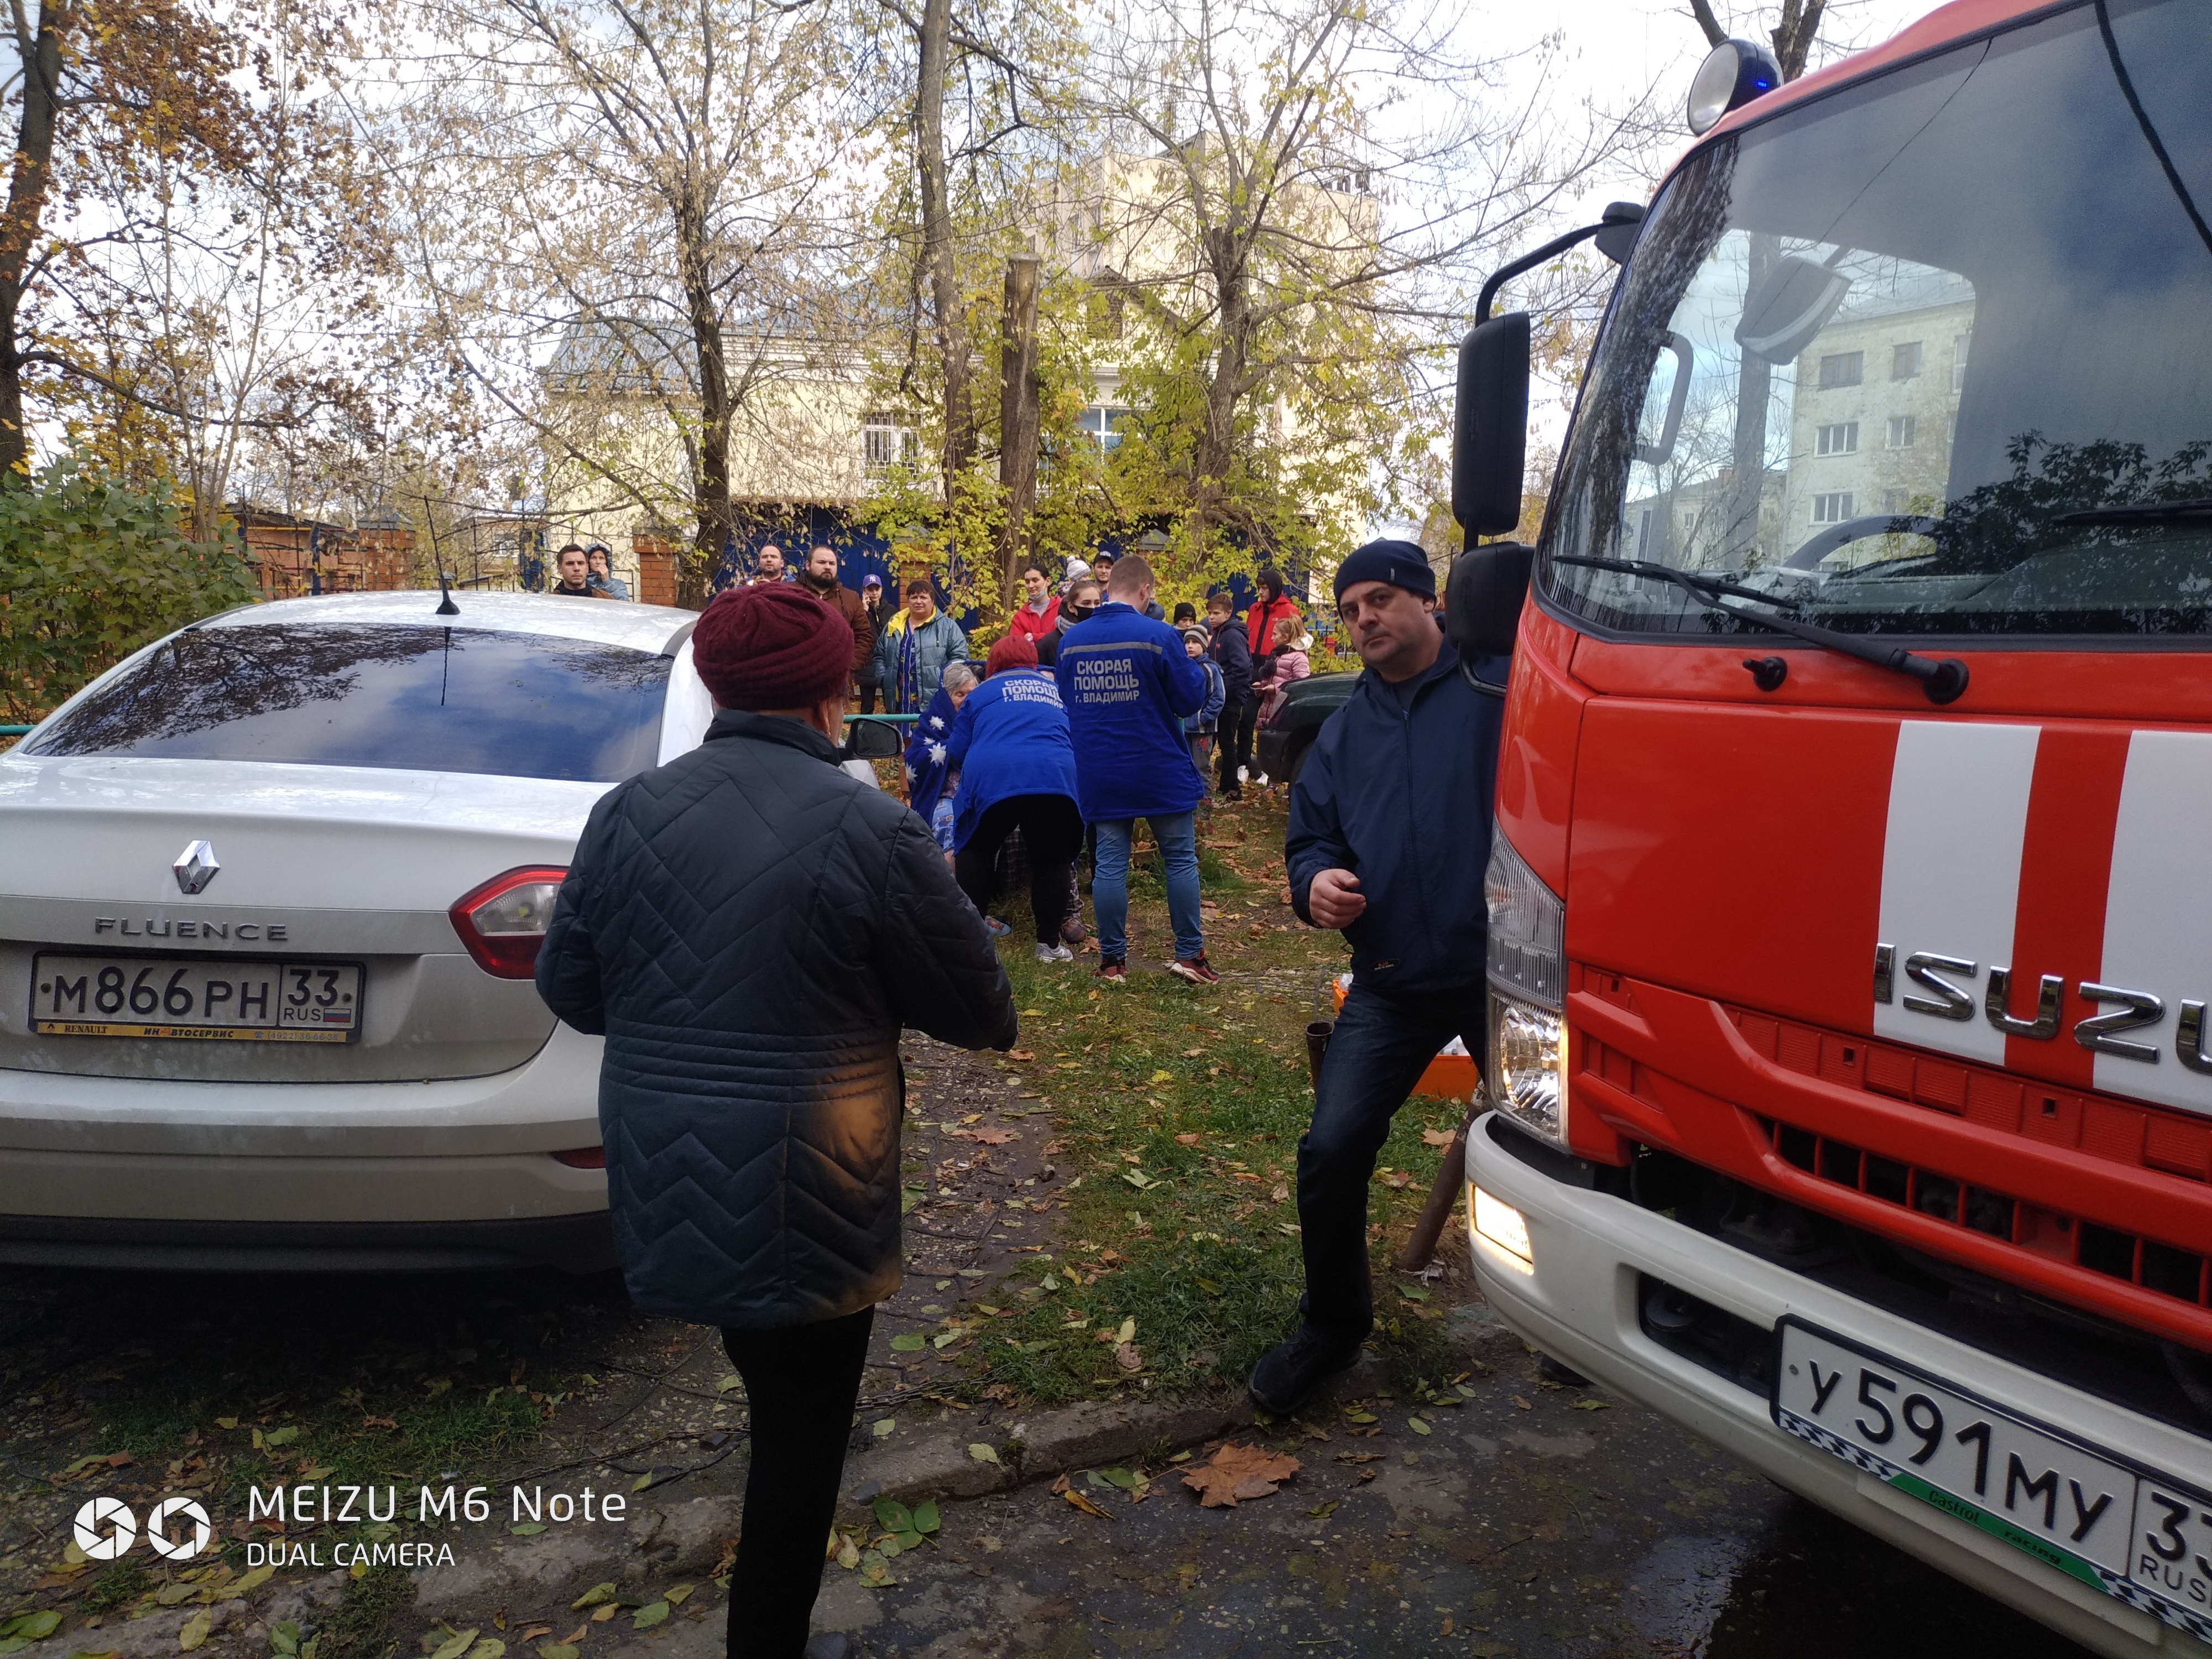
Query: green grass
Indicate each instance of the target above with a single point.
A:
(1187, 1240)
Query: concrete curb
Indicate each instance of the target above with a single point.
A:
(676, 1539)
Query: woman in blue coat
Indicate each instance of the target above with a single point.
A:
(1016, 765)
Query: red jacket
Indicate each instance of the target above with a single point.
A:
(1033, 625)
(1259, 627)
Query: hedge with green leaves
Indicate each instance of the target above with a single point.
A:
(90, 571)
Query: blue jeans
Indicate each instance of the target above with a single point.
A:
(1380, 1046)
(1177, 836)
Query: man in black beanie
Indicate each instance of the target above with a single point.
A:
(1388, 836)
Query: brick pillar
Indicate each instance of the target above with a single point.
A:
(656, 568)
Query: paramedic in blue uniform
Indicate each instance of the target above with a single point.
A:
(1388, 836)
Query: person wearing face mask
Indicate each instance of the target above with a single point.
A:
(1082, 599)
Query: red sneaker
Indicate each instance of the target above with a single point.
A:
(1198, 970)
(1112, 972)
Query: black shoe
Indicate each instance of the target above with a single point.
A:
(829, 1645)
(1289, 1373)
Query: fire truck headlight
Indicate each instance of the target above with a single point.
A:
(1500, 1226)
(1526, 1068)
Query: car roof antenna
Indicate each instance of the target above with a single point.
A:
(446, 605)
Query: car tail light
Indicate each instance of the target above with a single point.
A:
(584, 1158)
(503, 923)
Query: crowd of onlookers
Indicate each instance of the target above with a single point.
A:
(1091, 711)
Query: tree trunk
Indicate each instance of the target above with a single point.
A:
(1018, 422)
(27, 183)
(1215, 452)
(710, 479)
(937, 250)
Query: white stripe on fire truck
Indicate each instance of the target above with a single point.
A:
(1950, 870)
(2157, 907)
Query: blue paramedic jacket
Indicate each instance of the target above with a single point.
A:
(1127, 686)
(1402, 797)
(1009, 738)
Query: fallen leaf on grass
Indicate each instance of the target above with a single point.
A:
(1522, 1404)
(1127, 1356)
(1397, 1180)
(1437, 1136)
(729, 1383)
(556, 1650)
(875, 1571)
(1019, 1054)
(577, 1635)
(1360, 1417)
(534, 1632)
(1162, 1076)
(1322, 1511)
(1592, 1405)
(652, 1613)
(677, 1593)
(1187, 1141)
(597, 1595)
(489, 1647)
(600, 1615)
(1418, 1427)
(464, 1640)
(984, 1453)
(1412, 1293)
(527, 1529)
(196, 1631)
(1236, 1473)
(909, 1342)
(1192, 1053)
(885, 1427)
(848, 1554)
(1359, 1457)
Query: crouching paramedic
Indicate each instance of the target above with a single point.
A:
(1389, 831)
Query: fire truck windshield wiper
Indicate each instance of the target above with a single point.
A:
(1943, 679)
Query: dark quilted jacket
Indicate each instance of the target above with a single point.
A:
(751, 927)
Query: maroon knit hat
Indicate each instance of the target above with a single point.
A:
(772, 647)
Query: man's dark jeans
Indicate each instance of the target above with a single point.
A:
(1380, 1046)
(1239, 719)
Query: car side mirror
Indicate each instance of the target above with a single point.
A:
(1490, 426)
(1483, 597)
(871, 739)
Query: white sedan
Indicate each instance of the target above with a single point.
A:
(273, 894)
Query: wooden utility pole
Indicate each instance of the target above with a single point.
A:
(1018, 422)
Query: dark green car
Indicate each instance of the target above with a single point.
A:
(1287, 731)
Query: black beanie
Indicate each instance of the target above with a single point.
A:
(1402, 564)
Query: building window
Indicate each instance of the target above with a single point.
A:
(1905, 360)
(1101, 424)
(1842, 368)
(885, 444)
(1838, 438)
(1833, 507)
(1959, 362)
(1901, 428)
(1895, 501)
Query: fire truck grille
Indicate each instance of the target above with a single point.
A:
(2162, 1268)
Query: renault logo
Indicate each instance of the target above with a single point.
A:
(196, 866)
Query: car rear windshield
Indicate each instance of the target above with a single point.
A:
(417, 699)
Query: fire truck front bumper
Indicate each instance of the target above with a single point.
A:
(1573, 1270)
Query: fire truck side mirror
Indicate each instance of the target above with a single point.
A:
(1490, 426)
(1483, 597)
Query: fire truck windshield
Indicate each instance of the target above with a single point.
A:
(1905, 354)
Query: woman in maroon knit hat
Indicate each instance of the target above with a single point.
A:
(751, 928)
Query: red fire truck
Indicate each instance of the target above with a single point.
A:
(1851, 889)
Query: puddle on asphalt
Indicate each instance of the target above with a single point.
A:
(1816, 1587)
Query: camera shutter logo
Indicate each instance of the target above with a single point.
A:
(97, 1513)
(112, 1512)
(186, 1508)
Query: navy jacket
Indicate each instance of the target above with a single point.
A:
(1233, 655)
(1402, 798)
(751, 927)
(1128, 684)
